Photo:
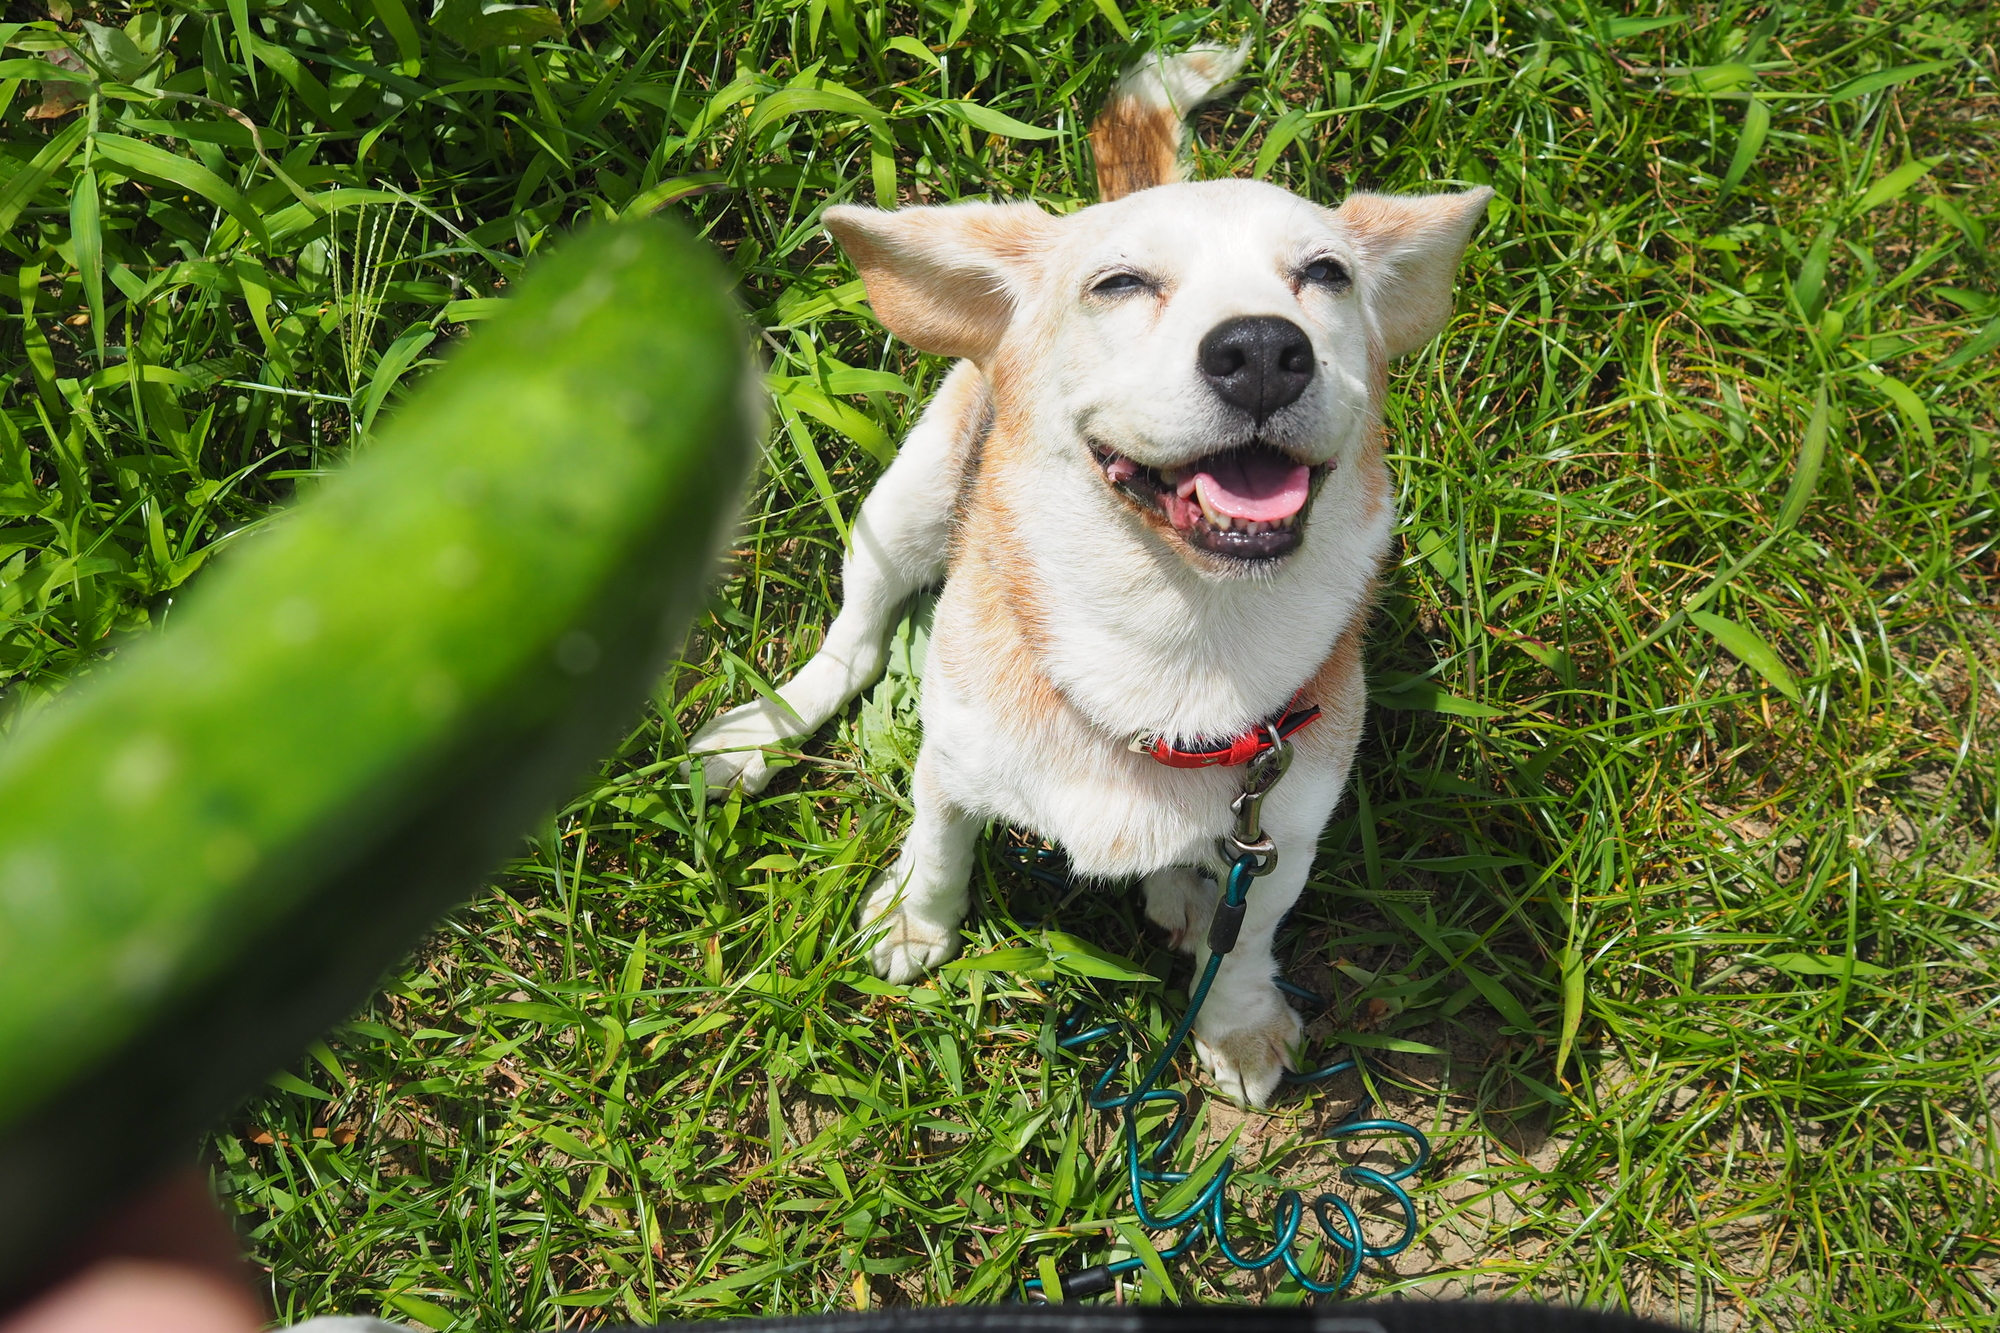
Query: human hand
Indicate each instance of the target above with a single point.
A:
(168, 1262)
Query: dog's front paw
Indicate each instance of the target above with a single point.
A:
(730, 746)
(913, 940)
(1180, 902)
(1245, 1041)
(747, 769)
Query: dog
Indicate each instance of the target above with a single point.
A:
(1153, 488)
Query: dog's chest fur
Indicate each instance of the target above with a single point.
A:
(1064, 628)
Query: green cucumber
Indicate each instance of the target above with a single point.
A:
(214, 849)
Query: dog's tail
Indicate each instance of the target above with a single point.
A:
(1136, 138)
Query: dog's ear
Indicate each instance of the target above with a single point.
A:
(945, 279)
(1410, 247)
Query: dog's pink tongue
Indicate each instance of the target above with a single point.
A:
(1257, 487)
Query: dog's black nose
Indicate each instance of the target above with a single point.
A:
(1259, 362)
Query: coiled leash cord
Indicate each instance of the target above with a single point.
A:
(1251, 855)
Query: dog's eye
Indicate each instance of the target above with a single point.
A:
(1326, 273)
(1119, 282)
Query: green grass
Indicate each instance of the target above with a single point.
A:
(1674, 826)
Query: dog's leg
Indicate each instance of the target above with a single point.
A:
(920, 902)
(1180, 901)
(899, 544)
(1246, 1030)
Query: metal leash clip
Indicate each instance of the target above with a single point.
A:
(1247, 837)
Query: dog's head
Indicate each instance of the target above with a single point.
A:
(1213, 349)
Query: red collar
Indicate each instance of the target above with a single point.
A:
(1294, 716)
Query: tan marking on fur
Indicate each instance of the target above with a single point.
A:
(1376, 484)
(1412, 244)
(1337, 687)
(1376, 219)
(973, 408)
(942, 279)
(999, 664)
(992, 445)
(1136, 138)
(1137, 146)
(1375, 480)
(989, 567)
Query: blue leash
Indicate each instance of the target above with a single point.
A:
(1207, 1215)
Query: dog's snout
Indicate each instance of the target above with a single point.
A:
(1258, 362)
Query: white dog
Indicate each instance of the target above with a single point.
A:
(1154, 489)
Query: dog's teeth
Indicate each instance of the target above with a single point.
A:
(1216, 519)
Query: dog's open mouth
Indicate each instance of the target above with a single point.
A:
(1248, 503)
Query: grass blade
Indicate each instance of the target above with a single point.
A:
(1911, 407)
(87, 238)
(396, 18)
(146, 159)
(1749, 143)
(1863, 85)
(1115, 17)
(1569, 969)
(1980, 344)
(1896, 184)
(1276, 140)
(20, 188)
(398, 359)
(1805, 473)
(796, 101)
(1749, 648)
(993, 122)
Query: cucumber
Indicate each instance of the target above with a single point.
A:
(214, 849)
